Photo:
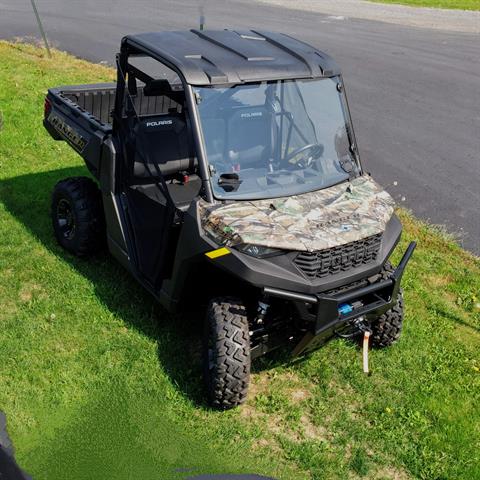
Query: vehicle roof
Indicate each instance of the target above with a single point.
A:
(214, 57)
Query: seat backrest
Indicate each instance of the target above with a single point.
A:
(251, 135)
(165, 141)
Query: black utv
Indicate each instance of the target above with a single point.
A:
(227, 175)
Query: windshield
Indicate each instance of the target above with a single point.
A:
(274, 139)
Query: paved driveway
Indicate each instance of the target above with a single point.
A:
(414, 92)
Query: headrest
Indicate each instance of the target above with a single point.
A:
(157, 87)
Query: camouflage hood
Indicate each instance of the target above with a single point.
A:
(312, 221)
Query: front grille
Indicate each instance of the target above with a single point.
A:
(339, 259)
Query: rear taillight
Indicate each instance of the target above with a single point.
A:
(47, 107)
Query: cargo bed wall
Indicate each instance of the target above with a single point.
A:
(100, 100)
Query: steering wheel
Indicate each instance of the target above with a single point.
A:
(316, 153)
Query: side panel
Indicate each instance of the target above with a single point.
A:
(112, 206)
(189, 254)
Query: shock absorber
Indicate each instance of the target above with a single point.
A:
(258, 327)
(262, 309)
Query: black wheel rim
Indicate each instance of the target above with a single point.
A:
(65, 219)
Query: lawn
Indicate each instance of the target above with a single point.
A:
(452, 4)
(98, 382)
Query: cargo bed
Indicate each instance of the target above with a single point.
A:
(82, 115)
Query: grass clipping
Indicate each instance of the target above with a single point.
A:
(94, 377)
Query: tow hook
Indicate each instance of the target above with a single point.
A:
(357, 326)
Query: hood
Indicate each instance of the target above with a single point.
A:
(311, 221)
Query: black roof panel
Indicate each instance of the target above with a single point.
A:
(206, 57)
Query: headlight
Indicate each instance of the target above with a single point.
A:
(258, 251)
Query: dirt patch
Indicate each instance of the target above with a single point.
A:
(28, 291)
(8, 272)
(391, 473)
(8, 310)
(439, 281)
(299, 395)
(249, 412)
(312, 431)
(345, 391)
(258, 385)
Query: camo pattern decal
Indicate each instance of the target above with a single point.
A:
(311, 221)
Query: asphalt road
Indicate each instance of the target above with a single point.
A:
(414, 93)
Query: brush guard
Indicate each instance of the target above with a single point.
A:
(341, 313)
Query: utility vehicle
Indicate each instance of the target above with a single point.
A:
(228, 179)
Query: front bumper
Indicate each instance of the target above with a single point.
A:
(324, 311)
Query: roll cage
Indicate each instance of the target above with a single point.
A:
(125, 72)
(127, 75)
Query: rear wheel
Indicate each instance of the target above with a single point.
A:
(226, 353)
(77, 216)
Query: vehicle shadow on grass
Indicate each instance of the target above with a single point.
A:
(27, 198)
(452, 317)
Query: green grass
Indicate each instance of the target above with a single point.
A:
(98, 382)
(451, 4)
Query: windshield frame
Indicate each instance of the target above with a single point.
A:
(353, 146)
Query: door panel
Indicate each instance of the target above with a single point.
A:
(151, 223)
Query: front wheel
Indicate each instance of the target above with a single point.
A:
(387, 328)
(226, 353)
